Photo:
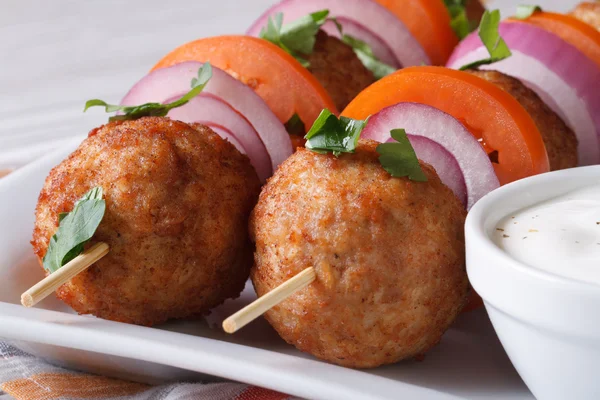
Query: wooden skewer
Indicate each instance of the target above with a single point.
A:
(265, 303)
(49, 284)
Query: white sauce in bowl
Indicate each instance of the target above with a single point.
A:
(561, 235)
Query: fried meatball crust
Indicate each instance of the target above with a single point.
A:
(388, 252)
(560, 140)
(178, 198)
(338, 69)
(588, 12)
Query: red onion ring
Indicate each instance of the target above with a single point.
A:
(165, 83)
(425, 121)
(381, 22)
(562, 76)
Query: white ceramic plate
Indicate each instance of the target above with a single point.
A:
(469, 362)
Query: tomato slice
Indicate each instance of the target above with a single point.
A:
(504, 128)
(573, 31)
(282, 82)
(429, 22)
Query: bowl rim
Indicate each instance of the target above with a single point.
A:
(478, 217)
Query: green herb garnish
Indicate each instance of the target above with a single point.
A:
(298, 39)
(460, 23)
(331, 134)
(295, 126)
(490, 36)
(155, 109)
(365, 54)
(399, 158)
(525, 11)
(75, 229)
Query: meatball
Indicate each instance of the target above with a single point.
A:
(388, 254)
(560, 140)
(338, 69)
(178, 198)
(588, 12)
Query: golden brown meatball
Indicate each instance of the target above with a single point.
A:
(178, 198)
(588, 12)
(560, 140)
(338, 69)
(388, 253)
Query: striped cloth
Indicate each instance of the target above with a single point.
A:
(25, 377)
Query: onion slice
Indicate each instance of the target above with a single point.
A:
(214, 112)
(561, 75)
(350, 27)
(443, 162)
(421, 120)
(165, 83)
(381, 22)
(225, 134)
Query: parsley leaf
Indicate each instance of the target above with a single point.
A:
(330, 134)
(495, 45)
(75, 229)
(525, 11)
(298, 39)
(459, 21)
(399, 158)
(295, 126)
(300, 35)
(365, 54)
(155, 109)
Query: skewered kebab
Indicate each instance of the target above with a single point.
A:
(175, 200)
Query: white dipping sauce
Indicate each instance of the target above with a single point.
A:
(561, 235)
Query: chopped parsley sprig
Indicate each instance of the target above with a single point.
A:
(75, 229)
(365, 54)
(298, 39)
(460, 23)
(155, 109)
(490, 36)
(399, 157)
(330, 134)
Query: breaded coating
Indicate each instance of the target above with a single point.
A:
(338, 69)
(178, 199)
(560, 140)
(588, 12)
(389, 256)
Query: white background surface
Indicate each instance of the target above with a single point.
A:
(54, 55)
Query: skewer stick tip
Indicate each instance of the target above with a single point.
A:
(48, 285)
(229, 326)
(27, 300)
(263, 304)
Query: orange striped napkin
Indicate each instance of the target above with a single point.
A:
(25, 377)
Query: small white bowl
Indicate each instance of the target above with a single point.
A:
(549, 325)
